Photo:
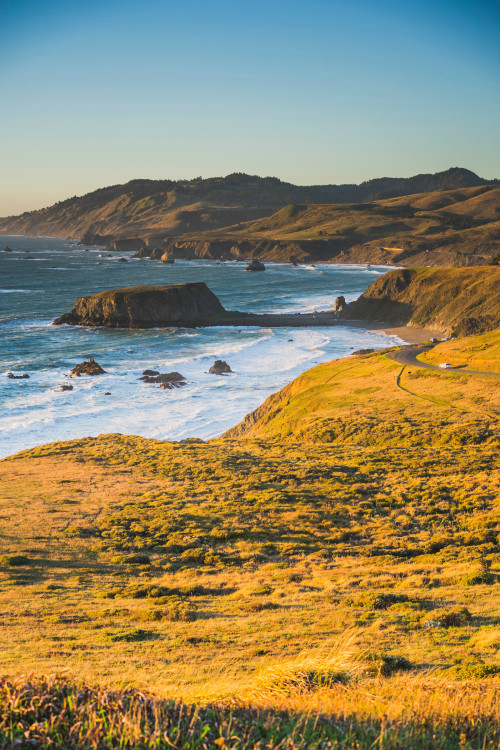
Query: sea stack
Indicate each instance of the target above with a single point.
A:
(179, 305)
(255, 265)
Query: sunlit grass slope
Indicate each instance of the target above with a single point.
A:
(475, 353)
(332, 578)
(371, 400)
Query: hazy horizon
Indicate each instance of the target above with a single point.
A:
(313, 93)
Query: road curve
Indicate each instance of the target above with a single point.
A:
(408, 356)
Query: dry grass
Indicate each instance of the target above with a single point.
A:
(298, 592)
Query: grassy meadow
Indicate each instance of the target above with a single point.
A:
(325, 575)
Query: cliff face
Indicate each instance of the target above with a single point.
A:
(146, 307)
(461, 301)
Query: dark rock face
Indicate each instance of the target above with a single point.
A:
(11, 375)
(339, 303)
(133, 245)
(92, 238)
(122, 260)
(255, 265)
(363, 351)
(65, 388)
(87, 368)
(220, 367)
(147, 307)
(167, 379)
(8, 249)
(150, 373)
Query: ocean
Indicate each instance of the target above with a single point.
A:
(41, 279)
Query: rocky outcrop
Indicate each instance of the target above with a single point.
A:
(167, 380)
(65, 388)
(147, 307)
(87, 368)
(132, 245)
(11, 376)
(167, 257)
(92, 238)
(8, 249)
(255, 265)
(459, 301)
(220, 367)
(339, 303)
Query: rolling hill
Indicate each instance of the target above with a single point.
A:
(206, 207)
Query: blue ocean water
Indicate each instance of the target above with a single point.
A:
(40, 280)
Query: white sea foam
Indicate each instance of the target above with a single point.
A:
(34, 411)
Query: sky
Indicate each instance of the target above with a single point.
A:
(98, 92)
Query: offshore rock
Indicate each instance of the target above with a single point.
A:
(166, 380)
(17, 377)
(255, 265)
(87, 368)
(8, 249)
(167, 258)
(180, 305)
(339, 303)
(220, 367)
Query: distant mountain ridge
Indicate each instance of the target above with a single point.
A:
(154, 207)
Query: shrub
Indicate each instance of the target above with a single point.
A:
(475, 671)
(375, 600)
(180, 612)
(132, 635)
(447, 618)
(263, 590)
(133, 559)
(477, 577)
(261, 606)
(14, 561)
(385, 665)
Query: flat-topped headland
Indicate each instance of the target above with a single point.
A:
(190, 305)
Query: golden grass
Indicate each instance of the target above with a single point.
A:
(312, 576)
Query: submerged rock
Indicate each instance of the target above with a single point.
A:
(255, 265)
(220, 367)
(11, 375)
(87, 368)
(147, 307)
(8, 249)
(122, 260)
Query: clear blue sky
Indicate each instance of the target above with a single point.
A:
(95, 93)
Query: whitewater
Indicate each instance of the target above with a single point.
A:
(40, 280)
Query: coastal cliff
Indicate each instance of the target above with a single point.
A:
(459, 301)
(146, 307)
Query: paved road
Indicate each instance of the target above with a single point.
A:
(408, 356)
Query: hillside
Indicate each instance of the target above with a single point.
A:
(448, 227)
(159, 208)
(457, 301)
(336, 556)
(371, 400)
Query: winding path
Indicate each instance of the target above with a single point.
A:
(408, 356)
